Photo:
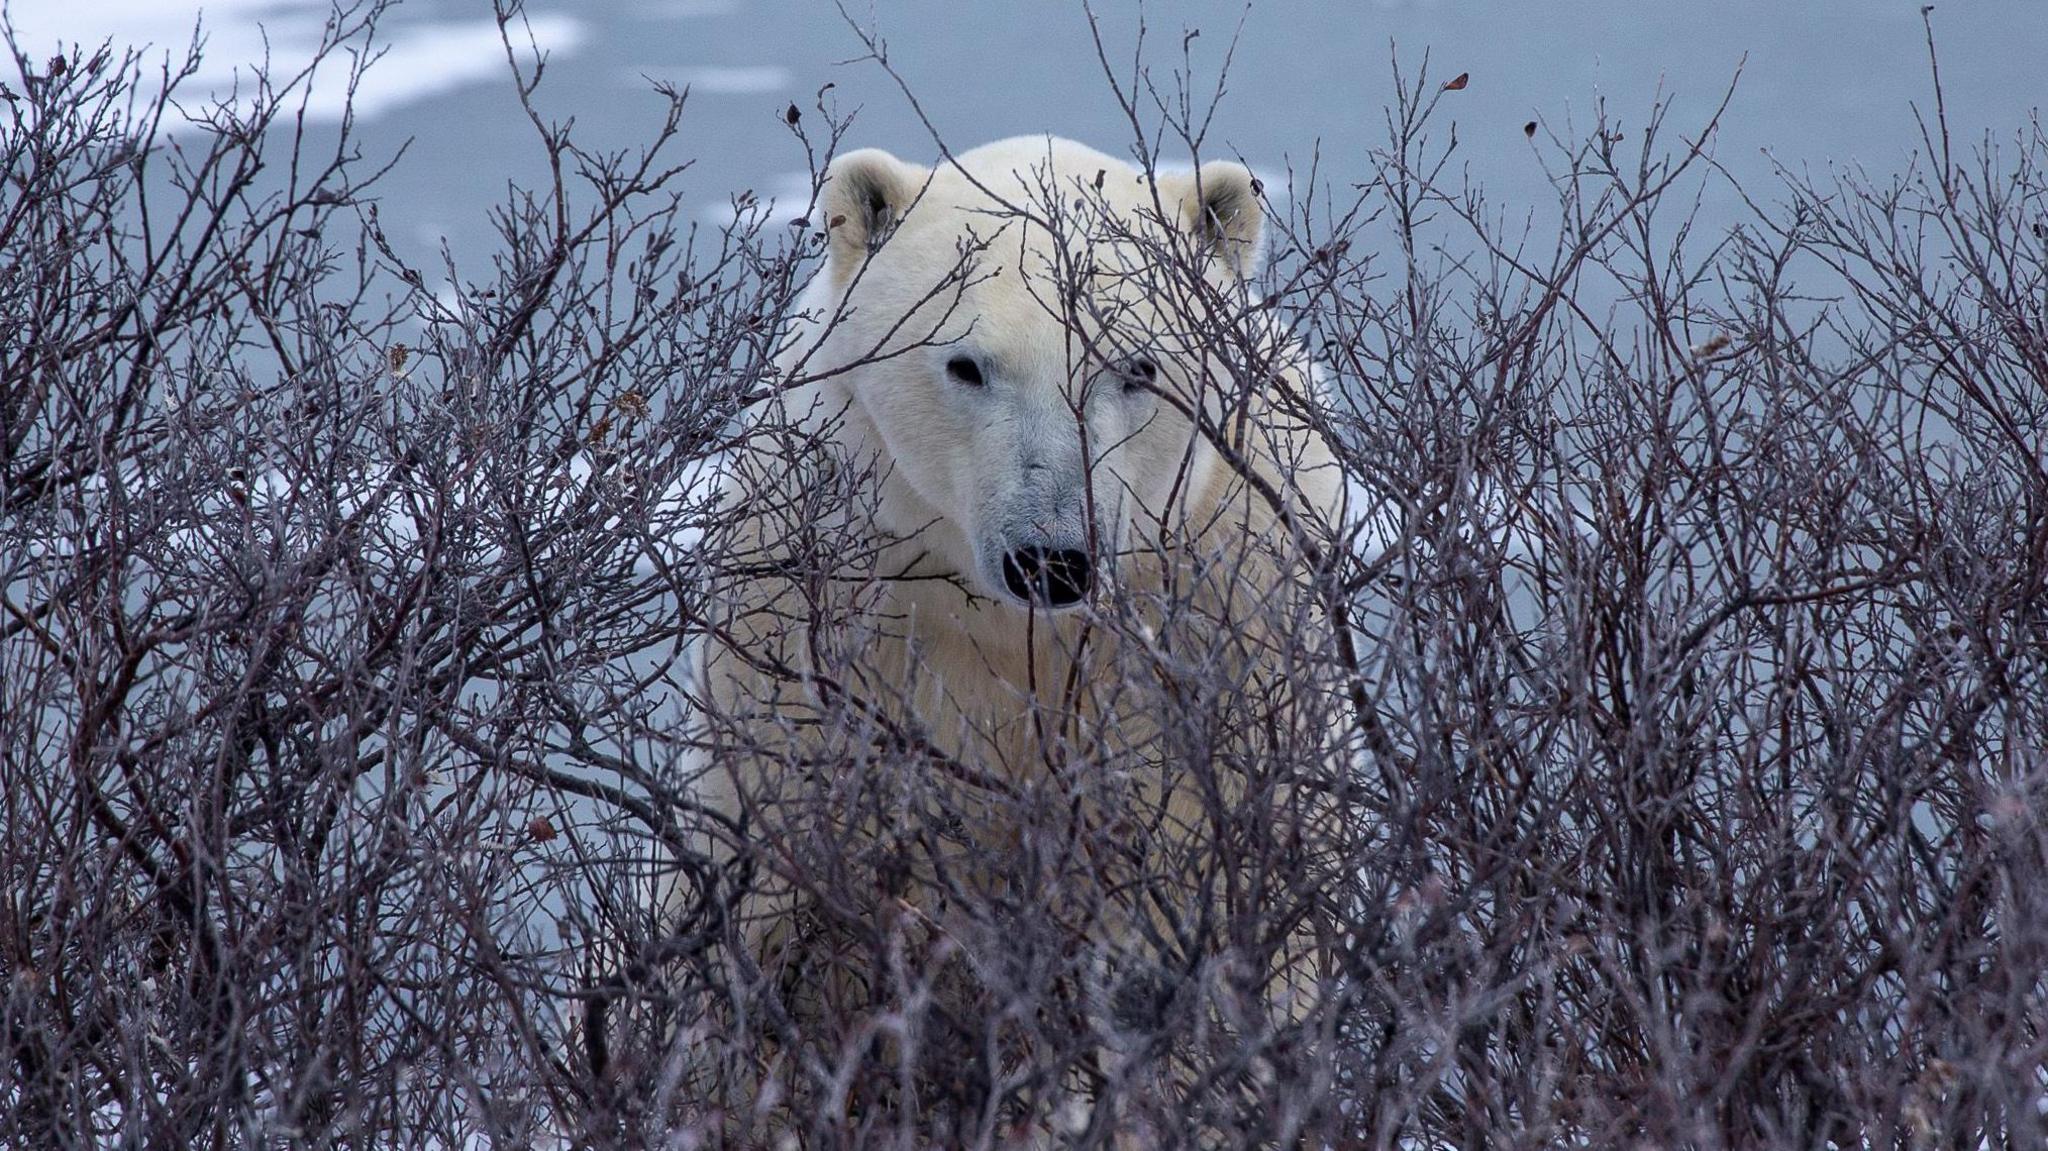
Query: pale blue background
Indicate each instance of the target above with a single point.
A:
(1825, 83)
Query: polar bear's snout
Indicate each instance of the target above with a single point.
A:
(1045, 515)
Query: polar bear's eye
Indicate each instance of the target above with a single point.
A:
(965, 370)
(1138, 371)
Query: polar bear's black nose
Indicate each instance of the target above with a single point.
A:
(1057, 577)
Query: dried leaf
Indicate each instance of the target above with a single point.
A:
(540, 829)
(1529, 129)
(1457, 83)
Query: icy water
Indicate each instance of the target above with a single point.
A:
(1821, 83)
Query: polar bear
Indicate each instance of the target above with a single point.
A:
(1037, 444)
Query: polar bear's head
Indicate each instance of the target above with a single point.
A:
(1016, 338)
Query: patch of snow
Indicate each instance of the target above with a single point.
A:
(716, 80)
(685, 9)
(431, 59)
(420, 58)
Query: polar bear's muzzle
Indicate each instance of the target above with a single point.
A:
(1049, 560)
(1047, 523)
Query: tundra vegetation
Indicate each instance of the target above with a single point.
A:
(1679, 673)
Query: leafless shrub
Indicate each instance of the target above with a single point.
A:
(1657, 757)
(341, 642)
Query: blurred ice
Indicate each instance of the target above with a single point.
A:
(723, 80)
(421, 58)
(685, 9)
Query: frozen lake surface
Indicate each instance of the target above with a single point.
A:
(1822, 84)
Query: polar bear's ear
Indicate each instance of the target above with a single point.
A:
(866, 193)
(1219, 204)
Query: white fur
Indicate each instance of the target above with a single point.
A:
(925, 639)
(966, 474)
